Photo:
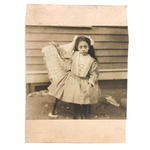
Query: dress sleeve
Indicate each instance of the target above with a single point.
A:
(93, 73)
(64, 54)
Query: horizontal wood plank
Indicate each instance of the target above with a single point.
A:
(38, 53)
(37, 78)
(39, 60)
(98, 45)
(40, 78)
(111, 59)
(69, 37)
(112, 70)
(112, 66)
(100, 66)
(36, 72)
(100, 71)
(111, 52)
(112, 76)
(35, 68)
(77, 31)
(34, 60)
(34, 53)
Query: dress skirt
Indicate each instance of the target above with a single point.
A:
(70, 88)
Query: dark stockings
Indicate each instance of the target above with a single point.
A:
(56, 101)
(80, 109)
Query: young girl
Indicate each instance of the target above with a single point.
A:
(78, 85)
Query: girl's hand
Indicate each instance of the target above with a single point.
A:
(88, 88)
(60, 50)
(53, 43)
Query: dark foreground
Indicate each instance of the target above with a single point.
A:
(38, 107)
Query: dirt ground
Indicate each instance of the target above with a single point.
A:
(38, 107)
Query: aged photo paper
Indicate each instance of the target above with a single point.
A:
(107, 25)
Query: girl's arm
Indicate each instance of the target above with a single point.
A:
(93, 76)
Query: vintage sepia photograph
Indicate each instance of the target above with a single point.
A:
(74, 75)
(76, 63)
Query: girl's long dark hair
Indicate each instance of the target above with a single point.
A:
(91, 48)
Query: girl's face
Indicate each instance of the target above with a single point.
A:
(83, 48)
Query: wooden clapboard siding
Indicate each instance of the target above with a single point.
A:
(111, 49)
(68, 37)
(112, 74)
(38, 78)
(100, 66)
(105, 52)
(93, 30)
(35, 68)
(112, 59)
(34, 53)
(97, 45)
(99, 52)
(102, 59)
(34, 60)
